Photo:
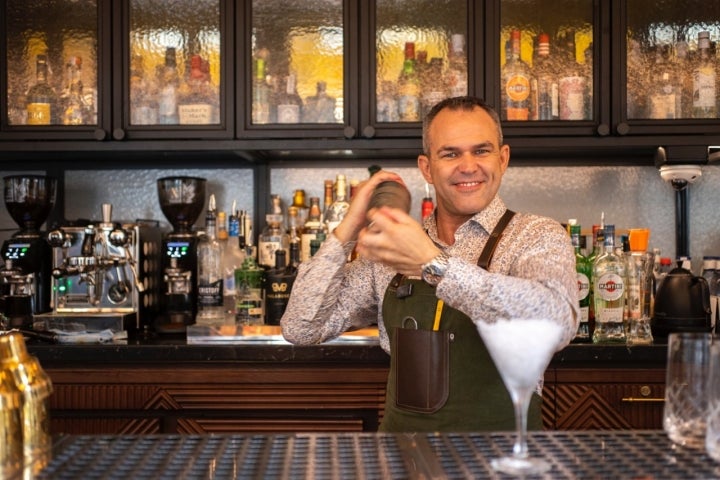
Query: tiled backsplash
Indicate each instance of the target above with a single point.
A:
(630, 196)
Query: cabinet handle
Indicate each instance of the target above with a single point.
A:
(643, 399)
(349, 132)
(369, 131)
(603, 130)
(118, 134)
(99, 134)
(622, 129)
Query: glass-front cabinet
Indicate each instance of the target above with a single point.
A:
(53, 79)
(353, 69)
(161, 73)
(672, 79)
(290, 74)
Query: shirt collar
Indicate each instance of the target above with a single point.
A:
(487, 218)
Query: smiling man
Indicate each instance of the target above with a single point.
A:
(473, 260)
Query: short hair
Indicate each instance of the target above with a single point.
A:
(466, 103)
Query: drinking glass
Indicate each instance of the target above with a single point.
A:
(685, 411)
(521, 350)
(712, 437)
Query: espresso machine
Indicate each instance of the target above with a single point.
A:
(25, 273)
(105, 274)
(182, 200)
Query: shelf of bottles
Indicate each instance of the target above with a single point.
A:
(297, 67)
(51, 65)
(421, 57)
(175, 61)
(546, 60)
(672, 60)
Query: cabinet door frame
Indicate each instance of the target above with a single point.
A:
(61, 132)
(121, 128)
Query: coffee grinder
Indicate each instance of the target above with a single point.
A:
(27, 257)
(182, 200)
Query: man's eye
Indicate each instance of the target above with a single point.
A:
(483, 151)
(448, 155)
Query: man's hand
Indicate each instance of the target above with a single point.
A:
(397, 240)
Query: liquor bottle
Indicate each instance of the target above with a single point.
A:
(546, 81)
(572, 83)
(273, 237)
(169, 83)
(432, 86)
(704, 78)
(456, 75)
(584, 276)
(209, 275)
(233, 257)
(143, 94)
(320, 108)
(295, 228)
(515, 83)
(387, 104)
(75, 111)
(328, 196)
(261, 95)
(302, 208)
(249, 304)
(289, 104)
(41, 98)
(663, 100)
(409, 88)
(278, 285)
(610, 291)
(427, 206)
(339, 207)
(312, 228)
(681, 65)
(195, 106)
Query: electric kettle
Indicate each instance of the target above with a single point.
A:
(682, 304)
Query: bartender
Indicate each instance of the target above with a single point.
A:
(425, 285)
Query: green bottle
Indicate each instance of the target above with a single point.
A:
(584, 280)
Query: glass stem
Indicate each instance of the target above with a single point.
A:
(521, 403)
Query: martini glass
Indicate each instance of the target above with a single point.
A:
(521, 350)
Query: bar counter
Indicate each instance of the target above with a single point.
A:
(167, 384)
(318, 456)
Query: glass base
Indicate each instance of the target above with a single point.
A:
(518, 466)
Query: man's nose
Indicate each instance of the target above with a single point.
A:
(468, 162)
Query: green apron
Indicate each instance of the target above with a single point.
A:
(477, 398)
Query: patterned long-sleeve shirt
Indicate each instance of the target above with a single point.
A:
(532, 275)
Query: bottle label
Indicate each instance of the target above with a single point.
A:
(609, 315)
(288, 113)
(210, 294)
(249, 307)
(266, 252)
(610, 287)
(583, 286)
(195, 114)
(305, 240)
(518, 88)
(409, 108)
(704, 88)
(572, 98)
(662, 106)
(38, 114)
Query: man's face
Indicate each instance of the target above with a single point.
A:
(464, 163)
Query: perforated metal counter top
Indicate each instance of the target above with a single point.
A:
(583, 455)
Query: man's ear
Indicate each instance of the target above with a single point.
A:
(424, 166)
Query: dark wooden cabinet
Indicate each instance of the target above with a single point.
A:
(610, 135)
(217, 399)
(603, 398)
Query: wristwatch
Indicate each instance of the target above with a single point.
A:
(434, 270)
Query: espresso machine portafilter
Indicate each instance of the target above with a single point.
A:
(25, 281)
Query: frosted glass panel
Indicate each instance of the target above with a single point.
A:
(52, 62)
(421, 56)
(298, 54)
(546, 59)
(672, 59)
(175, 62)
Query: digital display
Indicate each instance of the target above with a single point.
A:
(177, 249)
(16, 251)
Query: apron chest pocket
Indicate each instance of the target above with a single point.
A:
(421, 368)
